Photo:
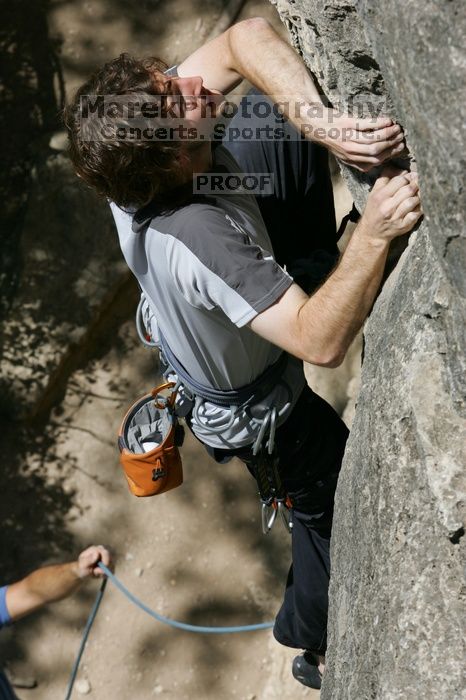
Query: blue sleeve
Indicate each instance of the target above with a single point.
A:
(4, 614)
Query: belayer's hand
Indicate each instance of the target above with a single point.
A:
(89, 558)
(360, 143)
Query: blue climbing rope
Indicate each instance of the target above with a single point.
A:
(174, 623)
(161, 618)
(87, 629)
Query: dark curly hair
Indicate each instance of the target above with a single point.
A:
(129, 172)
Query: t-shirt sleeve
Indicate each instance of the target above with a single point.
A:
(216, 265)
(4, 614)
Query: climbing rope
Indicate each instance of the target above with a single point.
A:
(161, 618)
(87, 629)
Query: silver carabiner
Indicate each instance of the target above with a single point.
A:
(268, 518)
(260, 436)
(285, 516)
(273, 425)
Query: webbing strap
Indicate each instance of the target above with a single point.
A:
(353, 215)
(270, 485)
(259, 388)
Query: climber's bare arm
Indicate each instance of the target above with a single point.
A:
(320, 328)
(252, 49)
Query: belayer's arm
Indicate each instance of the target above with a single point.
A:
(52, 583)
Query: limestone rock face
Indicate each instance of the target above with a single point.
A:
(395, 615)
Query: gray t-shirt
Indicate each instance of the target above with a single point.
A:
(206, 270)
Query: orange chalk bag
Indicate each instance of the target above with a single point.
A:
(148, 439)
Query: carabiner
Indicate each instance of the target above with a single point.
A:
(285, 516)
(258, 442)
(268, 518)
(273, 425)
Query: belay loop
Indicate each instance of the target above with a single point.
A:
(265, 459)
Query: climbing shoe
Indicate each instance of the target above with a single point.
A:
(305, 670)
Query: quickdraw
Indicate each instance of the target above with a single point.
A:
(265, 464)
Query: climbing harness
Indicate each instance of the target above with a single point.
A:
(264, 461)
(161, 618)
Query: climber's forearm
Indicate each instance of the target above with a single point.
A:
(343, 302)
(320, 328)
(214, 62)
(252, 49)
(331, 318)
(260, 55)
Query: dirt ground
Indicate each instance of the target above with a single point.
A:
(196, 554)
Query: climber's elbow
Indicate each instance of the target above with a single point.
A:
(336, 360)
(328, 359)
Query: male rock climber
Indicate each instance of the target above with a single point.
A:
(217, 269)
(44, 586)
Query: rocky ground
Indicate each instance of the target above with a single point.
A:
(196, 554)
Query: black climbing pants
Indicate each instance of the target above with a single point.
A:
(300, 220)
(310, 446)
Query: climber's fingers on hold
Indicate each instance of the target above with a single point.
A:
(381, 150)
(408, 205)
(370, 123)
(373, 136)
(399, 181)
(411, 218)
(409, 190)
(391, 175)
